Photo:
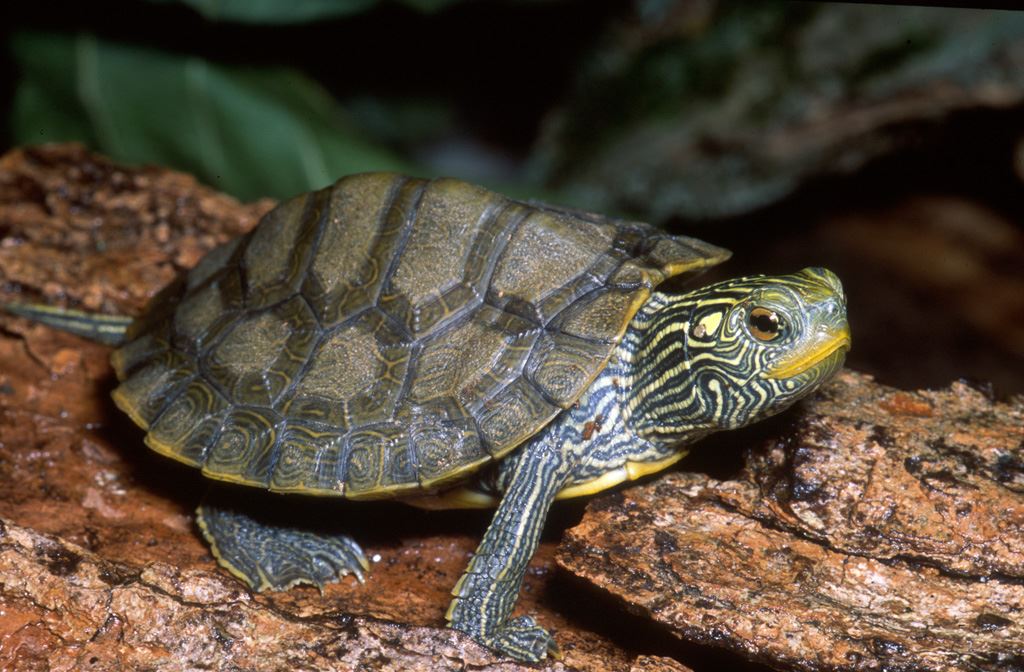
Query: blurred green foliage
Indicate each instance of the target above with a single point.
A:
(249, 131)
(273, 97)
(718, 114)
(699, 109)
(292, 11)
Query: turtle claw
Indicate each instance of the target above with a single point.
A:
(521, 638)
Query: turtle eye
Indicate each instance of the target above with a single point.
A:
(764, 324)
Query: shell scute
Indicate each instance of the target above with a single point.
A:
(278, 250)
(246, 449)
(145, 393)
(433, 262)
(364, 226)
(190, 424)
(379, 460)
(595, 317)
(215, 261)
(547, 251)
(473, 360)
(309, 460)
(561, 364)
(357, 370)
(510, 416)
(207, 309)
(444, 447)
(261, 355)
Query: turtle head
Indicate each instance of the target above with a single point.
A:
(737, 351)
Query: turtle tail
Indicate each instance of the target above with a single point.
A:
(108, 329)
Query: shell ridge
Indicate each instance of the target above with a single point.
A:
(314, 245)
(274, 452)
(322, 334)
(401, 396)
(394, 191)
(302, 248)
(182, 386)
(585, 215)
(236, 259)
(243, 277)
(403, 391)
(502, 242)
(319, 200)
(409, 218)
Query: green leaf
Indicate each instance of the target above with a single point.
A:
(293, 11)
(250, 132)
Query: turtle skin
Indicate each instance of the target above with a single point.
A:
(387, 335)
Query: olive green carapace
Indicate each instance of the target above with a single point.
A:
(387, 335)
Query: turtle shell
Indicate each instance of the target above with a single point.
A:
(387, 334)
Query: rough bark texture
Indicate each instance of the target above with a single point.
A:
(65, 608)
(883, 530)
(657, 664)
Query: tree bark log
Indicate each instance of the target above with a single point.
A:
(880, 529)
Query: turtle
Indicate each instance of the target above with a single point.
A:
(431, 341)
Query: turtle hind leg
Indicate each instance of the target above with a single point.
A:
(271, 555)
(107, 329)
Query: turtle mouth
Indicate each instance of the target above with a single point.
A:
(811, 354)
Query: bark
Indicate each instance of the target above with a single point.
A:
(67, 609)
(882, 529)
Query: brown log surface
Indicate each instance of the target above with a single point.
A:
(883, 529)
(67, 609)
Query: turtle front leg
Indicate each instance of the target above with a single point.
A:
(488, 589)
